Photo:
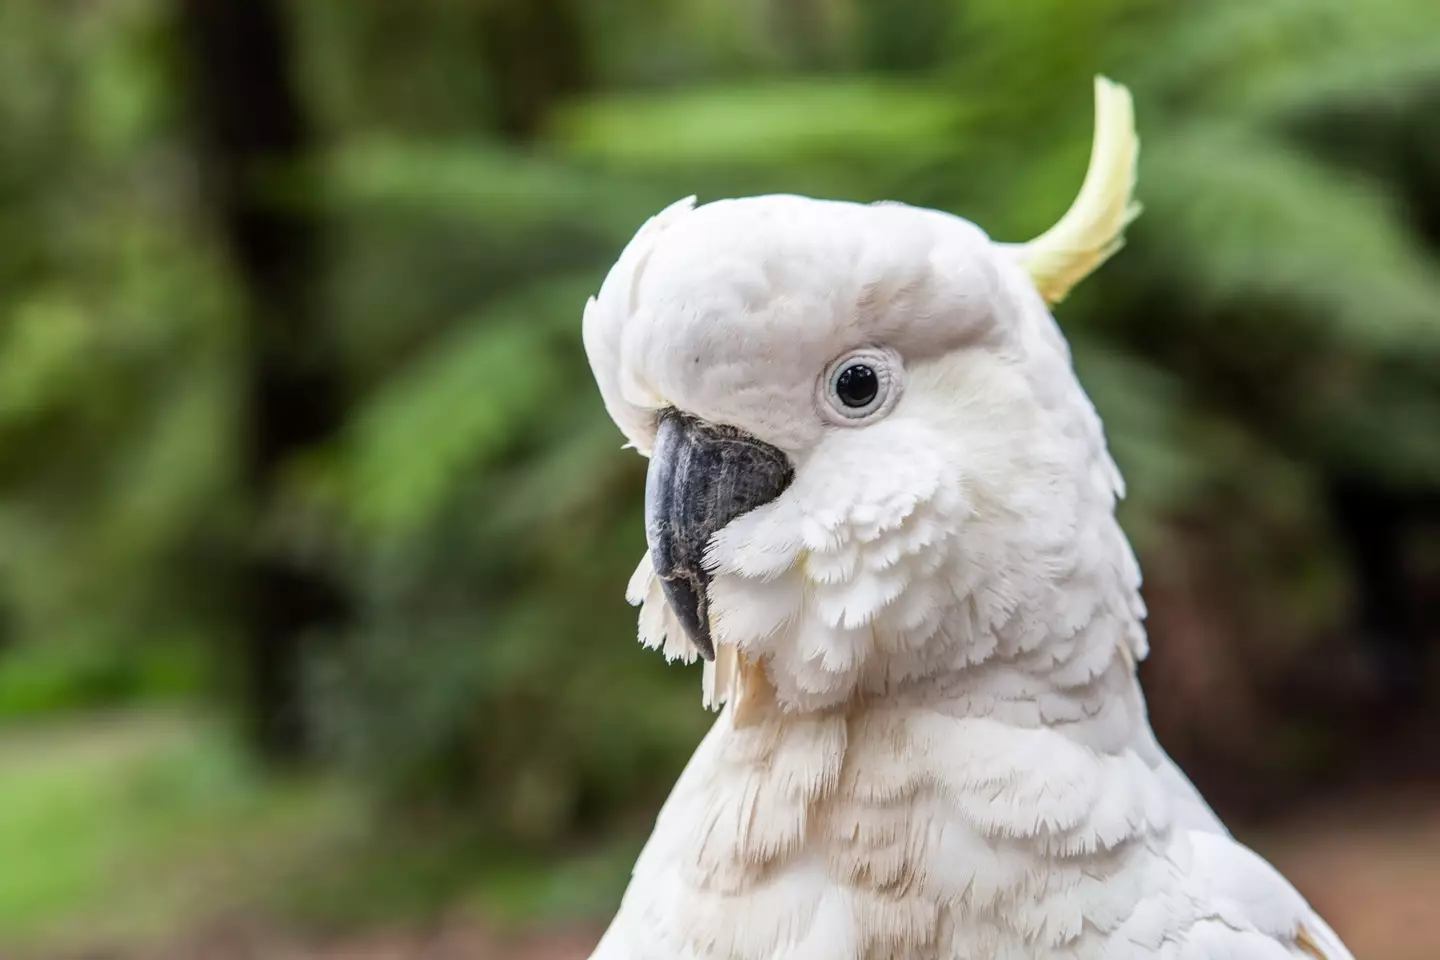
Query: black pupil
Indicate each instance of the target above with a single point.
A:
(857, 385)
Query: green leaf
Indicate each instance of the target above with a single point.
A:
(458, 405)
(1244, 55)
(761, 124)
(488, 185)
(1242, 219)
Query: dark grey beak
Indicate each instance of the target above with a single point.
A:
(702, 476)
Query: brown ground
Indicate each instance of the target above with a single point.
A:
(1371, 867)
(1373, 870)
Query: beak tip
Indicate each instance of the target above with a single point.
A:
(705, 646)
(687, 600)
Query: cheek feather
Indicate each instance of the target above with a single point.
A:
(860, 601)
(817, 593)
(754, 610)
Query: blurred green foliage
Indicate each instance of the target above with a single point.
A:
(1273, 325)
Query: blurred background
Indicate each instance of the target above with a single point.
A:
(314, 533)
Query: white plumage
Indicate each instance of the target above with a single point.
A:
(933, 743)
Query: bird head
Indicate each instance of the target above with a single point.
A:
(870, 459)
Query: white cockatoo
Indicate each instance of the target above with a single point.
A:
(880, 506)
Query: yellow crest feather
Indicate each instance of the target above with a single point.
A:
(1094, 227)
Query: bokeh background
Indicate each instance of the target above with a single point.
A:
(314, 533)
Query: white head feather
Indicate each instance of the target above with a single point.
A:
(970, 488)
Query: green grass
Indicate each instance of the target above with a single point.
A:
(131, 825)
(123, 829)
(42, 680)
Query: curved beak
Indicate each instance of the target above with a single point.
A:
(702, 476)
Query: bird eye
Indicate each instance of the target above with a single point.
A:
(857, 385)
(860, 386)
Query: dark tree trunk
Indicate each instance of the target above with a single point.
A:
(534, 55)
(251, 125)
(804, 31)
(1374, 524)
(906, 36)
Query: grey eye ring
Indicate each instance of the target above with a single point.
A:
(860, 386)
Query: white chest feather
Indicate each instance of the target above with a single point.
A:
(905, 833)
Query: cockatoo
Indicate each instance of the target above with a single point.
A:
(880, 506)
